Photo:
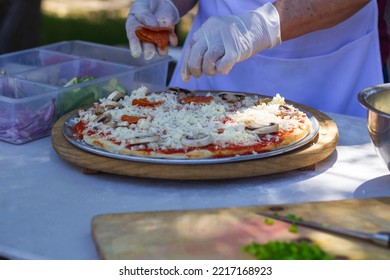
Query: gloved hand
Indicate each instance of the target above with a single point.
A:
(224, 40)
(155, 13)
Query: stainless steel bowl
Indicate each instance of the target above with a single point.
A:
(376, 100)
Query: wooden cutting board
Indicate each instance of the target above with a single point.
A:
(303, 158)
(220, 233)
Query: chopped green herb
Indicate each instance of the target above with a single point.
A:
(293, 228)
(269, 221)
(284, 250)
(292, 217)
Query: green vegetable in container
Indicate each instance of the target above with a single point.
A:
(77, 97)
(76, 80)
(73, 81)
(114, 85)
(84, 95)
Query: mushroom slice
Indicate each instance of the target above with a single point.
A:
(181, 92)
(179, 89)
(98, 110)
(109, 104)
(286, 110)
(103, 118)
(262, 129)
(263, 101)
(143, 139)
(116, 96)
(199, 140)
(231, 97)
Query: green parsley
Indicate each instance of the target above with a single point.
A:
(286, 250)
(293, 228)
(269, 221)
(294, 218)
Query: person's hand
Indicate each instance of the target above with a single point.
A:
(224, 40)
(155, 13)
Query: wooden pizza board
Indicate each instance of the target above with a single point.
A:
(319, 149)
(221, 233)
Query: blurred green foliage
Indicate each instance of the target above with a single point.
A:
(103, 27)
(98, 28)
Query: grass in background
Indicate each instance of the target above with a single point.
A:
(97, 28)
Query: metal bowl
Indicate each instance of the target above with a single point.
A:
(376, 100)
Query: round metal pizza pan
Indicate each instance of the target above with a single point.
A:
(70, 122)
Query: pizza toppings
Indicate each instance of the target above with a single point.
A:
(263, 101)
(122, 124)
(288, 110)
(144, 102)
(179, 90)
(262, 129)
(199, 140)
(197, 99)
(109, 104)
(231, 97)
(131, 119)
(180, 123)
(143, 139)
(104, 118)
(116, 96)
(98, 110)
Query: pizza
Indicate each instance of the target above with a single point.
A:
(183, 124)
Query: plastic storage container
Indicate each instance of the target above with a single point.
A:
(150, 73)
(27, 110)
(40, 85)
(31, 59)
(63, 74)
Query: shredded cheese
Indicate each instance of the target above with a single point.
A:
(171, 120)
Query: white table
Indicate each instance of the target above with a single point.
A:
(47, 204)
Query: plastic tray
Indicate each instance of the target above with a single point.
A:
(152, 73)
(38, 86)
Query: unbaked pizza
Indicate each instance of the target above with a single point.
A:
(183, 124)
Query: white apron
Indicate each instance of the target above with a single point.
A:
(324, 70)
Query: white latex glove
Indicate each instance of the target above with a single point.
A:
(224, 40)
(155, 13)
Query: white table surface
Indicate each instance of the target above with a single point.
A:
(47, 204)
